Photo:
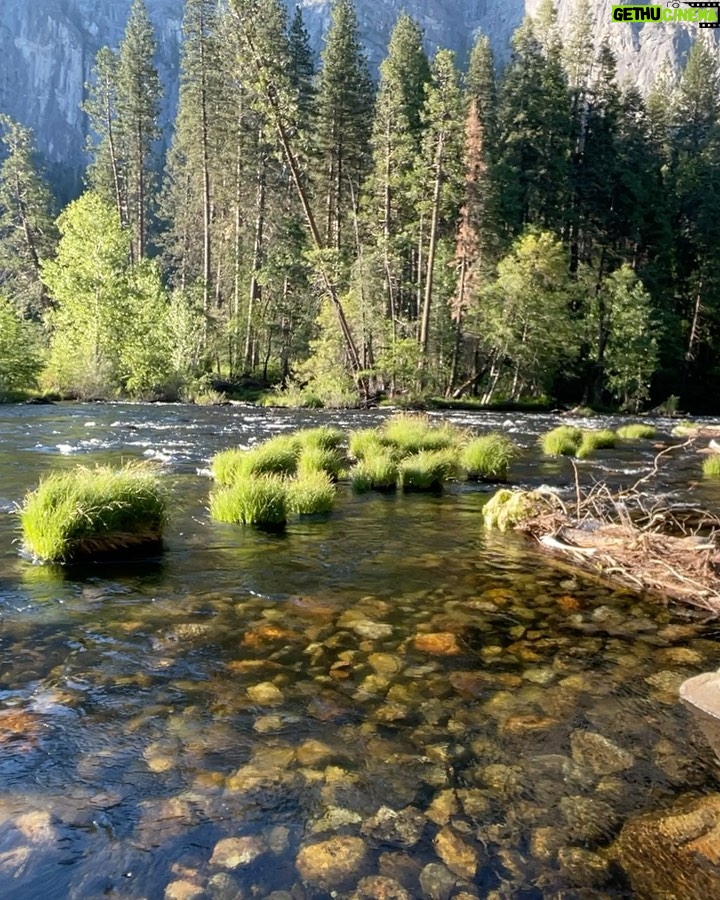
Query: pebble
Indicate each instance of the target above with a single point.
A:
(234, 853)
(331, 864)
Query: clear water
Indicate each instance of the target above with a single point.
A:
(287, 688)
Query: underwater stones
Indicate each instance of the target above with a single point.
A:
(443, 807)
(36, 827)
(674, 853)
(583, 868)
(385, 664)
(334, 819)
(666, 681)
(401, 828)
(437, 882)
(183, 890)
(237, 852)
(679, 656)
(267, 724)
(546, 842)
(599, 754)
(441, 643)
(314, 753)
(331, 864)
(588, 818)
(475, 803)
(378, 887)
(265, 694)
(222, 886)
(458, 856)
(373, 631)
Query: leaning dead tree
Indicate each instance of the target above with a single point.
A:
(626, 537)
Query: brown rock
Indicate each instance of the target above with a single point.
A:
(234, 853)
(441, 643)
(314, 753)
(459, 857)
(599, 754)
(403, 828)
(442, 807)
(330, 864)
(183, 890)
(378, 887)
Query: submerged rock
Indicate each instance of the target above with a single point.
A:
(441, 643)
(265, 694)
(437, 882)
(378, 887)
(331, 864)
(403, 828)
(458, 856)
(234, 853)
(599, 754)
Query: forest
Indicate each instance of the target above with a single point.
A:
(542, 234)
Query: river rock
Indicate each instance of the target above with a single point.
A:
(183, 890)
(458, 856)
(403, 828)
(265, 694)
(437, 882)
(314, 753)
(599, 754)
(374, 631)
(36, 827)
(331, 864)
(222, 886)
(443, 806)
(234, 853)
(401, 867)
(583, 868)
(385, 664)
(546, 843)
(334, 819)
(378, 887)
(442, 643)
(588, 818)
(675, 853)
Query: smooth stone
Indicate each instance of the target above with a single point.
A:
(437, 882)
(278, 839)
(36, 827)
(443, 806)
(458, 856)
(378, 887)
(589, 819)
(475, 803)
(403, 828)
(438, 643)
(334, 819)
(265, 694)
(234, 853)
(222, 886)
(546, 843)
(583, 868)
(372, 630)
(183, 890)
(385, 664)
(332, 863)
(666, 680)
(679, 656)
(599, 753)
(314, 753)
(267, 724)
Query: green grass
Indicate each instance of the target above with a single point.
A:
(250, 500)
(276, 456)
(378, 471)
(507, 508)
(711, 466)
(325, 437)
(319, 459)
(414, 433)
(427, 470)
(636, 432)
(604, 439)
(83, 512)
(365, 441)
(488, 457)
(564, 440)
(310, 494)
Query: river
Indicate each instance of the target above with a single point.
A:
(426, 705)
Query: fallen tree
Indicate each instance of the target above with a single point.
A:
(626, 537)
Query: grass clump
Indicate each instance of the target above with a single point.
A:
(507, 508)
(711, 466)
(319, 459)
(364, 442)
(427, 470)
(311, 493)
(259, 501)
(636, 431)
(277, 456)
(84, 512)
(378, 471)
(414, 434)
(604, 439)
(488, 457)
(564, 440)
(324, 437)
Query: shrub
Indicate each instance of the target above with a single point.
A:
(427, 470)
(507, 508)
(596, 440)
(83, 512)
(636, 432)
(364, 441)
(318, 459)
(413, 434)
(561, 441)
(488, 457)
(378, 471)
(311, 493)
(250, 500)
(276, 456)
(711, 466)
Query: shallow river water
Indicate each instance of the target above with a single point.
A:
(383, 703)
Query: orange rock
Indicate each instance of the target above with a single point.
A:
(441, 643)
(568, 603)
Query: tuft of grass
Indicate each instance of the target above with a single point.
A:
(487, 458)
(604, 439)
(325, 437)
(276, 456)
(259, 501)
(311, 493)
(414, 434)
(378, 471)
(319, 459)
(427, 470)
(84, 512)
(507, 508)
(364, 442)
(711, 466)
(636, 431)
(564, 440)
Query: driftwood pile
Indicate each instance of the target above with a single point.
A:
(631, 539)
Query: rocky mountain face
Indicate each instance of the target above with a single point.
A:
(47, 48)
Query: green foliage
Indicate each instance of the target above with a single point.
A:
(325, 437)
(376, 471)
(311, 493)
(711, 466)
(252, 500)
(427, 470)
(364, 442)
(507, 508)
(413, 433)
(487, 458)
(636, 431)
(314, 458)
(80, 513)
(596, 440)
(292, 397)
(20, 361)
(276, 456)
(561, 441)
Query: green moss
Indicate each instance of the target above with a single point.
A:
(84, 512)
(413, 434)
(507, 508)
(561, 441)
(251, 500)
(378, 471)
(488, 457)
(711, 466)
(604, 439)
(427, 470)
(276, 456)
(311, 493)
(636, 432)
